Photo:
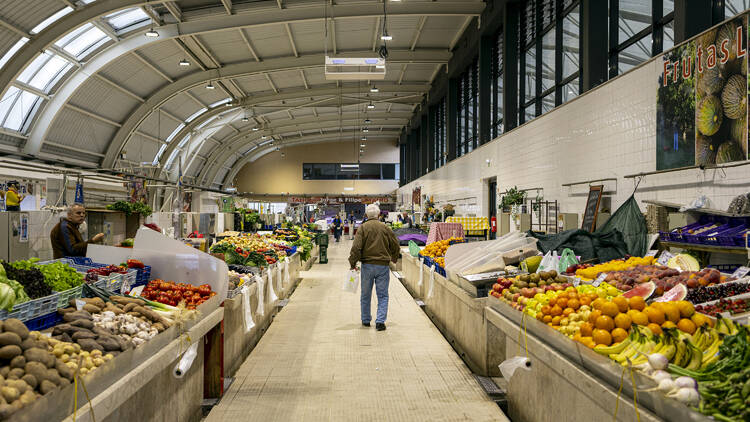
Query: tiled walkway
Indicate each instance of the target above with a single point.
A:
(317, 363)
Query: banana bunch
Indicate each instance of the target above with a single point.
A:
(726, 326)
(634, 349)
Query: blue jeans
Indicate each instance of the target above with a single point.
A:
(379, 275)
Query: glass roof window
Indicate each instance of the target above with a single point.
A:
(224, 101)
(12, 51)
(125, 19)
(16, 108)
(196, 114)
(44, 72)
(50, 20)
(83, 40)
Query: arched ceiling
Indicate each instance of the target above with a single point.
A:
(82, 83)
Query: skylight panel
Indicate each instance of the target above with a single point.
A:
(50, 20)
(9, 54)
(82, 45)
(194, 115)
(126, 18)
(34, 66)
(49, 72)
(21, 110)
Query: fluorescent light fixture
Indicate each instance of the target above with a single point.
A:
(348, 188)
(231, 189)
(151, 33)
(184, 62)
(210, 86)
(371, 106)
(339, 61)
(255, 129)
(245, 119)
(349, 166)
(365, 130)
(374, 89)
(368, 121)
(371, 61)
(362, 145)
(386, 37)
(380, 66)
(364, 138)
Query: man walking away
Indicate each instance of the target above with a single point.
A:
(374, 245)
(337, 227)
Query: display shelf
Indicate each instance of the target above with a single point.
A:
(706, 248)
(710, 211)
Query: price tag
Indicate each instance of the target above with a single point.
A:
(80, 304)
(599, 280)
(125, 286)
(664, 257)
(47, 334)
(576, 282)
(726, 315)
(740, 272)
(652, 252)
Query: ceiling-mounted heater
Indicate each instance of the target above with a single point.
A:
(355, 68)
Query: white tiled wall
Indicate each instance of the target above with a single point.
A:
(607, 133)
(40, 226)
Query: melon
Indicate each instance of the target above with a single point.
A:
(728, 151)
(684, 262)
(709, 115)
(678, 292)
(705, 153)
(734, 97)
(644, 290)
(738, 131)
(711, 80)
(727, 32)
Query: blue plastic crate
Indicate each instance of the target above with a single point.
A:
(33, 308)
(43, 322)
(440, 270)
(63, 300)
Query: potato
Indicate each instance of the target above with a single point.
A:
(113, 308)
(27, 398)
(83, 334)
(18, 362)
(30, 380)
(19, 385)
(38, 370)
(83, 323)
(4, 371)
(16, 373)
(38, 355)
(30, 342)
(129, 307)
(6, 411)
(67, 310)
(108, 343)
(98, 362)
(65, 358)
(108, 356)
(46, 386)
(89, 344)
(10, 394)
(9, 352)
(53, 376)
(64, 370)
(14, 325)
(92, 309)
(72, 316)
(7, 339)
(84, 371)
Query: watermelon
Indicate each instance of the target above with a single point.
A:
(678, 292)
(644, 290)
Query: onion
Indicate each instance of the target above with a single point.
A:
(687, 396)
(666, 386)
(658, 361)
(686, 382)
(660, 375)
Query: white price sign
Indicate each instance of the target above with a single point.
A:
(740, 272)
(665, 257)
(576, 282)
(652, 252)
(599, 280)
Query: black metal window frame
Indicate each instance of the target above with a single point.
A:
(496, 97)
(438, 122)
(549, 15)
(655, 29)
(350, 171)
(468, 109)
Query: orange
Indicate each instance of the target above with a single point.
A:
(573, 294)
(594, 315)
(623, 321)
(556, 320)
(597, 303)
(556, 310)
(655, 329)
(604, 323)
(546, 309)
(553, 301)
(567, 311)
(602, 337)
(631, 312)
(639, 318)
(585, 300)
(657, 305)
(588, 342)
(586, 329)
(564, 321)
(610, 309)
(686, 308)
(671, 311)
(637, 303)
(621, 302)
(547, 318)
(668, 324)
(618, 335)
(654, 315)
(574, 303)
(577, 337)
(686, 325)
(700, 320)
(562, 302)
(539, 316)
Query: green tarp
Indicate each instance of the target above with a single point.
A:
(629, 221)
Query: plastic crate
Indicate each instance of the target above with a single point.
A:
(710, 236)
(427, 261)
(725, 268)
(33, 308)
(664, 236)
(143, 275)
(440, 270)
(113, 282)
(727, 237)
(677, 235)
(693, 238)
(64, 297)
(43, 322)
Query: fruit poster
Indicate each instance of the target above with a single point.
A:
(702, 96)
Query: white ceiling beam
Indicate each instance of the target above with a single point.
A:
(249, 44)
(460, 32)
(69, 4)
(120, 88)
(148, 10)
(435, 72)
(226, 90)
(291, 39)
(74, 149)
(150, 137)
(289, 113)
(418, 32)
(280, 3)
(191, 55)
(315, 111)
(152, 67)
(403, 72)
(31, 89)
(227, 5)
(238, 88)
(206, 51)
(270, 82)
(93, 115)
(65, 55)
(172, 116)
(174, 10)
(104, 27)
(333, 36)
(304, 79)
(375, 33)
(14, 28)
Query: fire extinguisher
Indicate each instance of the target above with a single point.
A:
(493, 224)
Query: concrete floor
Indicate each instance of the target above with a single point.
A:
(318, 363)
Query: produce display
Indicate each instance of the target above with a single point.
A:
(131, 208)
(436, 250)
(590, 272)
(251, 250)
(59, 276)
(299, 237)
(733, 306)
(703, 294)
(173, 294)
(93, 274)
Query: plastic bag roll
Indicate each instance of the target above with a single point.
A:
(432, 281)
(279, 278)
(509, 366)
(271, 294)
(421, 272)
(286, 272)
(249, 323)
(261, 295)
(186, 361)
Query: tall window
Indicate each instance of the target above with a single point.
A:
(550, 44)
(496, 99)
(439, 121)
(734, 7)
(468, 101)
(644, 29)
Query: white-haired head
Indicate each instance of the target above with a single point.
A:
(372, 211)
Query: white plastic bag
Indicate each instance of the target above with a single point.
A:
(508, 367)
(261, 294)
(548, 262)
(432, 281)
(421, 272)
(247, 309)
(271, 294)
(351, 281)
